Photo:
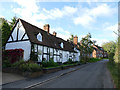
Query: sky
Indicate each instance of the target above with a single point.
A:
(66, 17)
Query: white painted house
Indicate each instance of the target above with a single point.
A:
(33, 39)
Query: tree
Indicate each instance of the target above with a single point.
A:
(71, 38)
(14, 19)
(5, 28)
(117, 54)
(110, 48)
(86, 46)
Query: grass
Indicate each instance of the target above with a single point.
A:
(93, 60)
(60, 66)
(114, 69)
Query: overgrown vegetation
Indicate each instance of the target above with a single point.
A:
(113, 65)
(6, 63)
(6, 28)
(49, 63)
(22, 65)
(94, 59)
(114, 70)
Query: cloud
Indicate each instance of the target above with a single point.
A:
(100, 41)
(2, 16)
(31, 10)
(84, 20)
(89, 15)
(64, 34)
(56, 13)
(112, 28)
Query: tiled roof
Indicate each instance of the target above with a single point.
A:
(48, 39)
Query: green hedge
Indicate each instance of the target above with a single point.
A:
(26, 66)
(94, 59)
(6, 63)
(49, 63)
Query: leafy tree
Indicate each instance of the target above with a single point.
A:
(86, 46)
(110, 48)
(5, 28)
(71, 38)
(117, 54)
(14, 19)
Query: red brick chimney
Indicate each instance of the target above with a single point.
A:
(75, 40)
(46, 27)
(54, 33)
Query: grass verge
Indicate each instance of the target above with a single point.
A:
(114, 69)
(60, 66)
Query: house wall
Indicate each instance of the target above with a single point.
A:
(25, 45)
(14, 44)
(94, 54)
(57, 55)
(77, 56)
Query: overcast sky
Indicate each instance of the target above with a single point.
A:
(66, 18)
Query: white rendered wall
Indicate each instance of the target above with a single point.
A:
(25, 45)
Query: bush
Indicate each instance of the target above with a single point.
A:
(49, 63)
(94, 59)
(82, 61)
(13, 55)
(6, 63)
(32, 67)
(26, 66)
(18, 63)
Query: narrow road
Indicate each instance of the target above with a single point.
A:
(95, 75)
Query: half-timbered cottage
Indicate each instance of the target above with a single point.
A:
(45, 45)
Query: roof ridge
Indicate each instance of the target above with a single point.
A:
(42, 29)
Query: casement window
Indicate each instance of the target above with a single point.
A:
(61, 45)
(35, 47)
(39, 37)
(60, 55)
(51, 53)
(67, 55)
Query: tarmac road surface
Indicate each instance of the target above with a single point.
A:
(95, 75)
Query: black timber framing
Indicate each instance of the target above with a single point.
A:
(17, 31)
(53, 53)
(18, 41)
(23, 36)
(12, 37)
(42, 52)
(49, 53)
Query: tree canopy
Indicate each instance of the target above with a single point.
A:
(6, 28)
(110, 48)
(86, 45)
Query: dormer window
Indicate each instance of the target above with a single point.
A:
(61, 45)
(39, 37)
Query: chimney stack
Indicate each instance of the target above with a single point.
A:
(54, 33)
(75, 40)
(46, 27)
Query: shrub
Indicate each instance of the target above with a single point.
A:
(82, 61)
(26, 66)
(18, 63)
(94, 59)
(6, 63)
(13, 54)
(32, 67)
(49, 63)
